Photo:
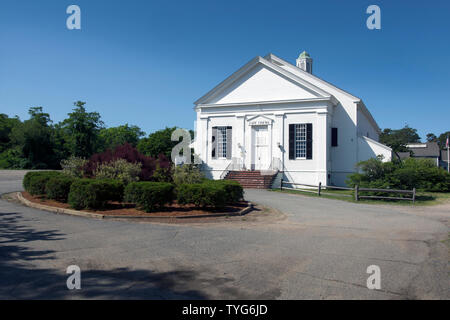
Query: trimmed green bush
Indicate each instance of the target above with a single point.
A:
(34, 182)
(421, 174)
(149, 196)
(94, 193)
(58, 188)
(214, 195)
(191, 194)
(210, 193)
(233, 189)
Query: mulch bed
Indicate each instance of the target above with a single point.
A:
(128, 209)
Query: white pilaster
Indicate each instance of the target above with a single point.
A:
(239, 133)
(321, 146)
(203, 140)
(279, 138)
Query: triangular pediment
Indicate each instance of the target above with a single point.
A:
(259, 120)
(261, 81)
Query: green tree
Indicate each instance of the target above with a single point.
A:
(32, 141)
(431, 137)
(6, 126)
(114, 136)
(81, 131)
(59, 137)
(160, 142)
(442, 139)
(398, 139)
(12, 159)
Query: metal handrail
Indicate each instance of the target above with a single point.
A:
(231, 166)
(225, 172)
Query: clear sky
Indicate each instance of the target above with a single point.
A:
(146, 62)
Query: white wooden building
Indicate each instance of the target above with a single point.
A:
(272, 115)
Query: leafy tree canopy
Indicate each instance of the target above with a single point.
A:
(81, 131)
(37, 143)
(33, 141)
(397, 139)
(431, 137)
(6, 126)
(115, 136)
(159, 142)
(442, 139)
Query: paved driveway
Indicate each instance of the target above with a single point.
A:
(315, 249)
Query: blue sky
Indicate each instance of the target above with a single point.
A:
(146, 62)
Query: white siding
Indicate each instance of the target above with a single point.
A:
(368, 148)
(245, 98)
(261, 84)
(365, 127)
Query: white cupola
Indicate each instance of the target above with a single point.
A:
(304, 62)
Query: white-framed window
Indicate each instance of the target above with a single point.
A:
(300, 141)
(221, 142)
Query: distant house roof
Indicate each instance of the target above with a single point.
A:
(429, 149)
(403, 155)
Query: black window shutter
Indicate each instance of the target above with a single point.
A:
(334, 137)
(213, 142)
(229, 142)
(291, 141)
(309, 141)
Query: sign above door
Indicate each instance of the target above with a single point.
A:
(259, 121)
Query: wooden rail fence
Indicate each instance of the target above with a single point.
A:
(357, 191)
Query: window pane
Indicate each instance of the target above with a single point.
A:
(300, 140)
(222, 142)
(334, 137)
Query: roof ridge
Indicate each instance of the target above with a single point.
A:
(269, 55)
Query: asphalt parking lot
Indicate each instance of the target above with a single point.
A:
(307, 248)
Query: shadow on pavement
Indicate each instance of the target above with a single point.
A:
(21, 279)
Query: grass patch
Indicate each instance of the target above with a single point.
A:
(422, 198)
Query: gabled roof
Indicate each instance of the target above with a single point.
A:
(369, 116)
(295, 74)
(376, 143)
(429, 149)
(403, 155)
(302, 73)
(316, 91)
(272, 57)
